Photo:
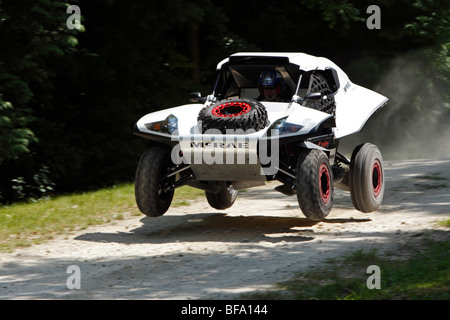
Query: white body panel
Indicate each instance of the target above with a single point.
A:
(188, 127)
(213, 157)
(354, 106)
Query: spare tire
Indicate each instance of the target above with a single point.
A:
(233, 114)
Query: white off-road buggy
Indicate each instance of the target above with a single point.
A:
(232, 139)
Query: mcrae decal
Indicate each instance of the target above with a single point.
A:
(223, 145)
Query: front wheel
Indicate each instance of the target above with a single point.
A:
(366, 178)
(151, 188)
(314, 184)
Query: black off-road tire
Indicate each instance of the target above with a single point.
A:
(152, 167)
(314, 184)
(243, 114)
(224, 199)
(366, 178)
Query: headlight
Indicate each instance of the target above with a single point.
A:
(281, 127)
(168, 125)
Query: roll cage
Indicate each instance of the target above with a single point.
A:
(238, 78)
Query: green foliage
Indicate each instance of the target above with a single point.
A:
(24, 224)
(14, 136)
(34, 39)
(68, 98)
(40, 188)
(432, 24)
(424, 275)
(337, 13)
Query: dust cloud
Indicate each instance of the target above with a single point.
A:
(415, 123)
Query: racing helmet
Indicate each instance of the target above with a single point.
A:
(271, 79)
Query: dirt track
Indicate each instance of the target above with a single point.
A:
(197, 252)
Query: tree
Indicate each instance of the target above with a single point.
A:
(69, 98)
(33, 35)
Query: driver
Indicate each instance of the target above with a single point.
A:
(271, 86)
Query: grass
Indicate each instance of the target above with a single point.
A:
(423, 276)
(444, 223)
(184, 195)
(24, 224)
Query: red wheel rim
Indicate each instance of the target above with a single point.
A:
(377, 178)
(231, 109)
(324, 183)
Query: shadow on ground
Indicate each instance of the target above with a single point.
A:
(216, 227)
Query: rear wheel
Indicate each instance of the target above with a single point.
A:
(367, 178)
(223, 199)
(153, 196)
(314, 184)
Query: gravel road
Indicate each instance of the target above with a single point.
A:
(196, 252)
